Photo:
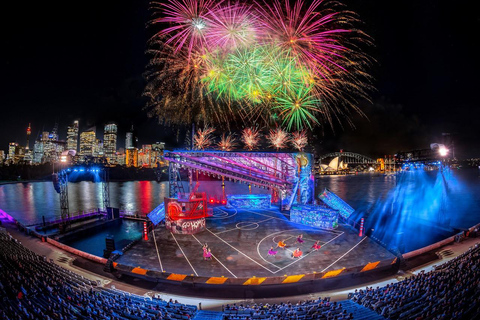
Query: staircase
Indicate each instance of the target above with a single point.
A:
(360, 312)
(208, 315)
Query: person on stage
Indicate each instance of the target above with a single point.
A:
(207, 254)
(281, 244)
(297, 253)
(316, 246)
(300, 239)
(272, 252)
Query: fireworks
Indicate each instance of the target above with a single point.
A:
(217, 61)
(299, 140)
(228, 142)
(278, 138)
(203, 139)
(250, 138)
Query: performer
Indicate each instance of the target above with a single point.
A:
(316, 245)
(272, 252)
(300, 239)
(297, 253)
(207, 254)
(281, 244)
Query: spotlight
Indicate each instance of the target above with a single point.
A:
(442, 151)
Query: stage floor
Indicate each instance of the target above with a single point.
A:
(240, 240)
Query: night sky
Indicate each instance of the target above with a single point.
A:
(62, 61)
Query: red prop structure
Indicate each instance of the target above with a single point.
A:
(186, 214)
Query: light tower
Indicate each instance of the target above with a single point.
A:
(29, 132)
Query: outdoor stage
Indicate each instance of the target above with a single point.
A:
(240, 239)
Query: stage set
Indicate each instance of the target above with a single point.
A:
(284, 233)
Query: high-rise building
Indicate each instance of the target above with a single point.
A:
(144, 156)
(19, 154)
(52, 148)
(29, 132)
(87, 143)
(120, 156)
(110, 141)
(38, 151)
(72, 136)
(131, 157)
(11, 151)
(98, 148)
(131, 140)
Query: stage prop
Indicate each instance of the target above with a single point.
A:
(157, 214)
(288, 175)
(314, 216)
(249, 201)
(186, 214)
(335, 202)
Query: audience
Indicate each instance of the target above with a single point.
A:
(451, 291)
(33, 288)
(310, 309)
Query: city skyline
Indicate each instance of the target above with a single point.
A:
(424, 75)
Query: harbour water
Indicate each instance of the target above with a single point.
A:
(409, 211)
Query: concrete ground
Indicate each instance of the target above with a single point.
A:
(139, 287)
(240, 239)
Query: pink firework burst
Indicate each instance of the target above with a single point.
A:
(299, 140)
(278, 138)
(227, 142)
(251, 138)
(188, 20)
(203, 139)
(231, 26)
(309, 32)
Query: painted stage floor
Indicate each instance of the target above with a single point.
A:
(240, 240)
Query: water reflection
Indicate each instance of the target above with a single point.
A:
(414, 209)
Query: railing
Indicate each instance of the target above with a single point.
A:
(75, 216)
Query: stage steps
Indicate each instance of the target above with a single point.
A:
(208, 315)
(360, 312)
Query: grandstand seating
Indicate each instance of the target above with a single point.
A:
(33, 288)
(311, 309)
(450, 291)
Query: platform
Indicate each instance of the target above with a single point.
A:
(240, 239)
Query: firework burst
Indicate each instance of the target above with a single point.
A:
(278, 138)
(299, 140)
(227, 142)
(187, 20)
(220, 61)
(203, 139)
(251, 138)
(232, 25)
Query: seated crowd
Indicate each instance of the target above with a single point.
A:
(33, 288)
(450, 291)
(310, 309)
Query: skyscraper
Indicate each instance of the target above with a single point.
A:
(87, 142)
(131, 140)
(98, 148)
(110, 141)
(11, 150)
(72, 136)
(38, 151)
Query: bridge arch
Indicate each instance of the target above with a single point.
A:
(347, 157)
